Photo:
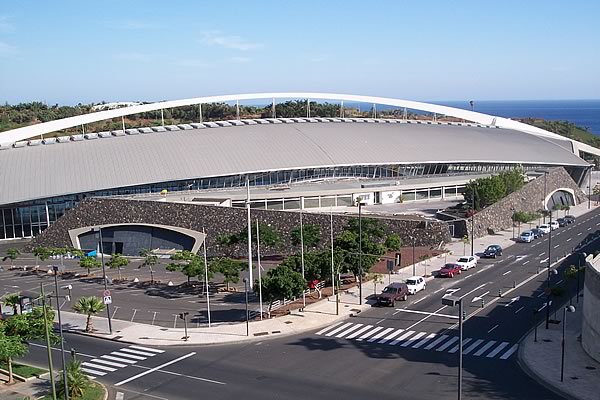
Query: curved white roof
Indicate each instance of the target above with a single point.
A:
(106, 161)
(16, 135)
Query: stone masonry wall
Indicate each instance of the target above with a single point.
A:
(498, 216)
(224, 221)
(590, 329)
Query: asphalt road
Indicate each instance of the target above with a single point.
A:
(333, 362)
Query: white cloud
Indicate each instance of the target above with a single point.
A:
(216, 38)
(240, 60)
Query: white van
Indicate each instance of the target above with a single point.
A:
(554, 225)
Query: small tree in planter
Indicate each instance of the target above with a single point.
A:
(150, 260)
(393, 242)
(12, 253)
(89, 263)
(229, 268)
(117, 261)
(377, 278)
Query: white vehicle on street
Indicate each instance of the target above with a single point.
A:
(554, 225)
(545, 228)
(527, 236)
(467, 262)
(415, 284)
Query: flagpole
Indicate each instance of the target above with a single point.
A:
(302, 259)
(259, 266)
(332, 262)
(206, 278)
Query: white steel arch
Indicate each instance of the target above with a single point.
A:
(27, 132)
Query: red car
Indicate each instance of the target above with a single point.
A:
(449, 270)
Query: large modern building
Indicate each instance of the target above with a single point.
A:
(289, 163)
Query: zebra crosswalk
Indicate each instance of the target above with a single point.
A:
(117, 359)
(419, 340)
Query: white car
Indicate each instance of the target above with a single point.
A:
(467, 262)
(527, 236)
(545, 228)
(554, 225)
(415, 284)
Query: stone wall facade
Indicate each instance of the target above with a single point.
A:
(225, 221)
(590, 329)
(530, 198)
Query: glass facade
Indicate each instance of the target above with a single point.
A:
(28, 219)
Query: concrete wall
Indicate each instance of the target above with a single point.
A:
(590, 330)
(498, 216)
(223, 221)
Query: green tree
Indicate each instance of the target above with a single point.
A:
(311, 234)
(281, 283)
(117, 261)
(11, 347)
(78, 381)
(43, 253)
(12, 300)
(349, 243)
(89, 306)
(230, 269)
(269, 236)
(89, 263)
(150, 260)
(189, 264)
(12, 253)
(465, 241)
(393, 242)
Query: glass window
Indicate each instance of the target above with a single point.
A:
(421, 195)
(344, 201)
(292, 204)
(435, 193)
(408, 196)
(275, 204)
(311, 202)
(327, 201)
(450, 191)
(9, 232)
(8, 219)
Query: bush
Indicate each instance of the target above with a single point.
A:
(393, 242)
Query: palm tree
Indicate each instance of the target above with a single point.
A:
(89, 306)
(150, 259)
(78, 381)
(12, 300)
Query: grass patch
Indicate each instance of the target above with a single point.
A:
(26, 371)
(94, 392)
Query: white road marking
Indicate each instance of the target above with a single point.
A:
(439, 290)
(347, 331)
(137, 352)
(428, 313)
(556, 246)
(492, 328)
(338, 329)
(455, 348)
(413, 339)
(116, 353)
(401, 338)
(371, 332)
(506, 273)
(100, 367)
(119, 359)
(423, 341)
(162, 366)
(158, 351)
(569, 239)
(447, 344)
(545, 260)
(589, 229)
(497, 350)
(91, 371)
(526, 262)
(380, 334)
(391, 336)
(473, 346)
(421, 299)
(358, 332)
(522, 307)
(580, 233)
(541, 254)
(509, 352)
(484, 348)
(327, 328)
(111, 363)
(380, 321)
(436, 342)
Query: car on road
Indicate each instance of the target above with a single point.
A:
(561, 222)
(544, 228)
(526, 237)
(493, 251)
(537, 233)
(467, 262)
(554, 225)
(449, 270)
(415, 284)
(570, 219)
(392, 293)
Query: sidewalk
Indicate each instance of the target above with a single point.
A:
(315, 316)
(542, 359)
(32, 388)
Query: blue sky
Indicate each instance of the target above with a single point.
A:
(87, 51)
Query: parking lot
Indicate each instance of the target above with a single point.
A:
(156, 303)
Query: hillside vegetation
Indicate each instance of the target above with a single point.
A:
(567, 129)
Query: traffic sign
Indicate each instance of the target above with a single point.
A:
(107, 300)
(106, 293)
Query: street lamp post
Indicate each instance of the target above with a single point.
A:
(452, 301)
(360, 252)
(578, 271)
(413, 262)
(48, 346)
(548, 280)
(562, 357)
(473, 224)
(590, 188)
(247, 314)
(101, 248)
(60, 329)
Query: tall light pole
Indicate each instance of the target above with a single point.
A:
(333, 280)
(206, 278)
(302, 259)
(590, 188)
(48, 346)
(413, 262)
(562, 357)
(549, 264)
(250, 223)
(453, 301)
(545, 192)
(101, 248)
(60, 330)
(360, 252)
(473, 223)
(247, 313)
(259, 267)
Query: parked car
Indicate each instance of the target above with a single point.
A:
(537, 233)
(526, 237)
(570, 219)
(561, 222)
(493, 251)
(544, 228)
(467, 263)
(554, 225)
(449, 270)
(393, 293)
(415, 284)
